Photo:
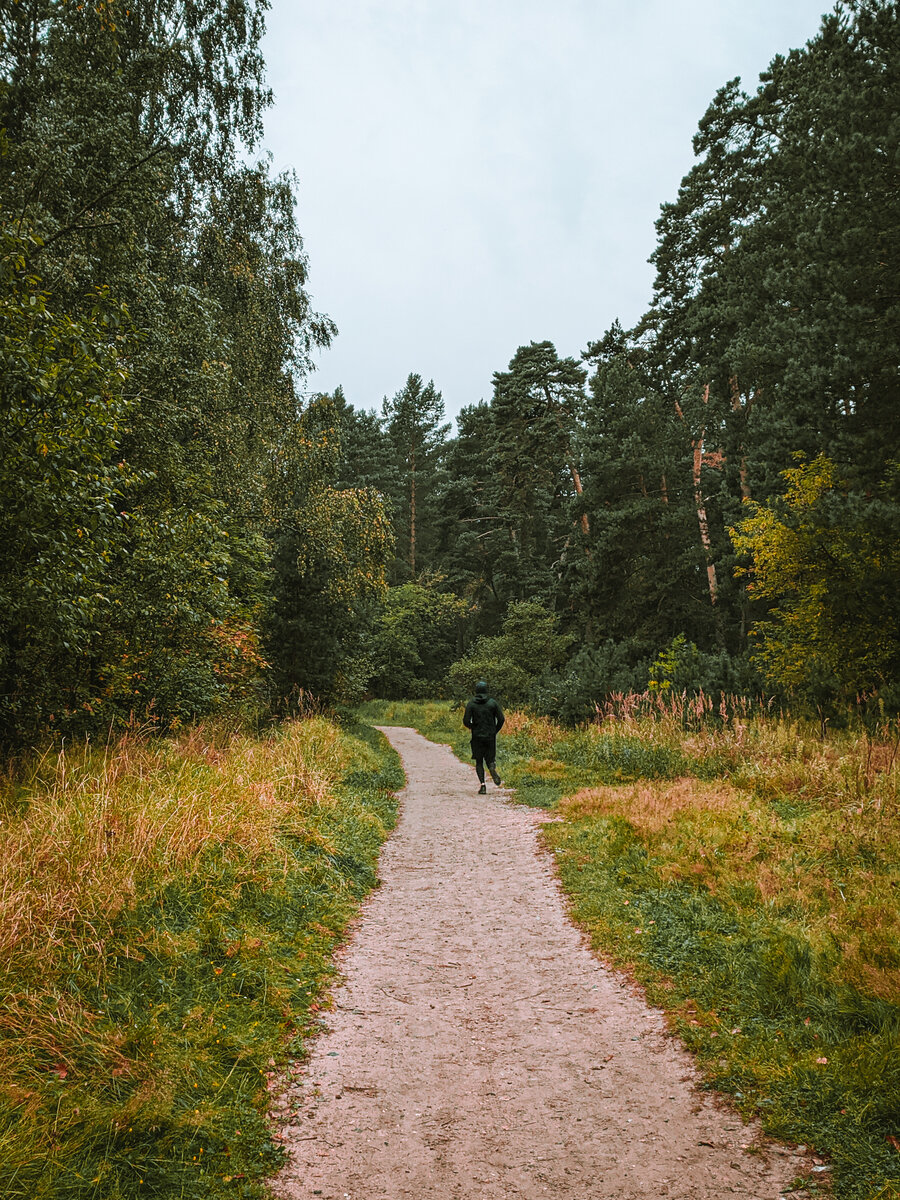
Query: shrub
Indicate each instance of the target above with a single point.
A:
(511, 662)
(595, 672)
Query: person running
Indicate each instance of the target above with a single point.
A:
(484, 717)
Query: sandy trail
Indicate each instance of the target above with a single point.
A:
(477, 1050)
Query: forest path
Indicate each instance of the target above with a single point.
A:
(478, 1051)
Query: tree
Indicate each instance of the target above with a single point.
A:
(63, 412)
(528, 644)
(472, 538)
(331, 549)
(367, 456)
(535, 407)
(773, 327)
(641, 579)
(413, 422)
(415, 640)
(129, 132)
(830, 562)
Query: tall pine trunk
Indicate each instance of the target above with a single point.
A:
(697, 444)
(412, 510)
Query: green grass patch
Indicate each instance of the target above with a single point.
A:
(139, 1043)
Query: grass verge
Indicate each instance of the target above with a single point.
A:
(168, 912)
(747, 873)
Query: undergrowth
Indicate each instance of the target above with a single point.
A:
(747, 872)
(168, 911)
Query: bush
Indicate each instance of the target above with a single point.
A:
(511, 662)
(682, 667)
(595, 672)
(414, 640)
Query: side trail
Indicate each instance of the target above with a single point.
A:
(478, 1051)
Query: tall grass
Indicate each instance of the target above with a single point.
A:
(167, 912)
(747, 871)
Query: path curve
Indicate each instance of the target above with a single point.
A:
(478, 1051)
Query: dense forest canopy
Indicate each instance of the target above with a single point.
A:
(710, 499)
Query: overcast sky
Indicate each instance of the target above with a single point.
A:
(478, 174)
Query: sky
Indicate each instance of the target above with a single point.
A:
(473, 175)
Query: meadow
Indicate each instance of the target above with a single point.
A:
(168, 912)
(745, 871)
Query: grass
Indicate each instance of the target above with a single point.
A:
(168, 910)
(747, 873)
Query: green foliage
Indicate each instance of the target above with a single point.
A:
(178, 524)
(527, 644)
(830, 562)
(415, 639)
(170, 253)
(332, 547)
(509, 507)
(638, 581)
(63, 413)
(412, 422)
(682, 667)
(595, 672)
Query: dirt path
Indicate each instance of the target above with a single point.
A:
(478, 1051)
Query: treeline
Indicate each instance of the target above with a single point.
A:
(709, 499)
(155, 325)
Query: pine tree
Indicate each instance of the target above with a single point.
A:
(414, 423)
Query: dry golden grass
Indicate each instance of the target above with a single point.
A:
(542, 732)
(547, 768)
(98, 822)
(168, 909)
(651, 805)
(811, 826)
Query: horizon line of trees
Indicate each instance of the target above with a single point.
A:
(711, 497)
(720, 483)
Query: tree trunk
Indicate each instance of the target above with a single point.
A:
(738, 406)
(702, 520)
(579, 491)
(412, 511)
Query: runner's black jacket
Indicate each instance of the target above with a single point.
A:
(484, 717)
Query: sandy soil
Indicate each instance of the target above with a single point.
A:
(478, 1050)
